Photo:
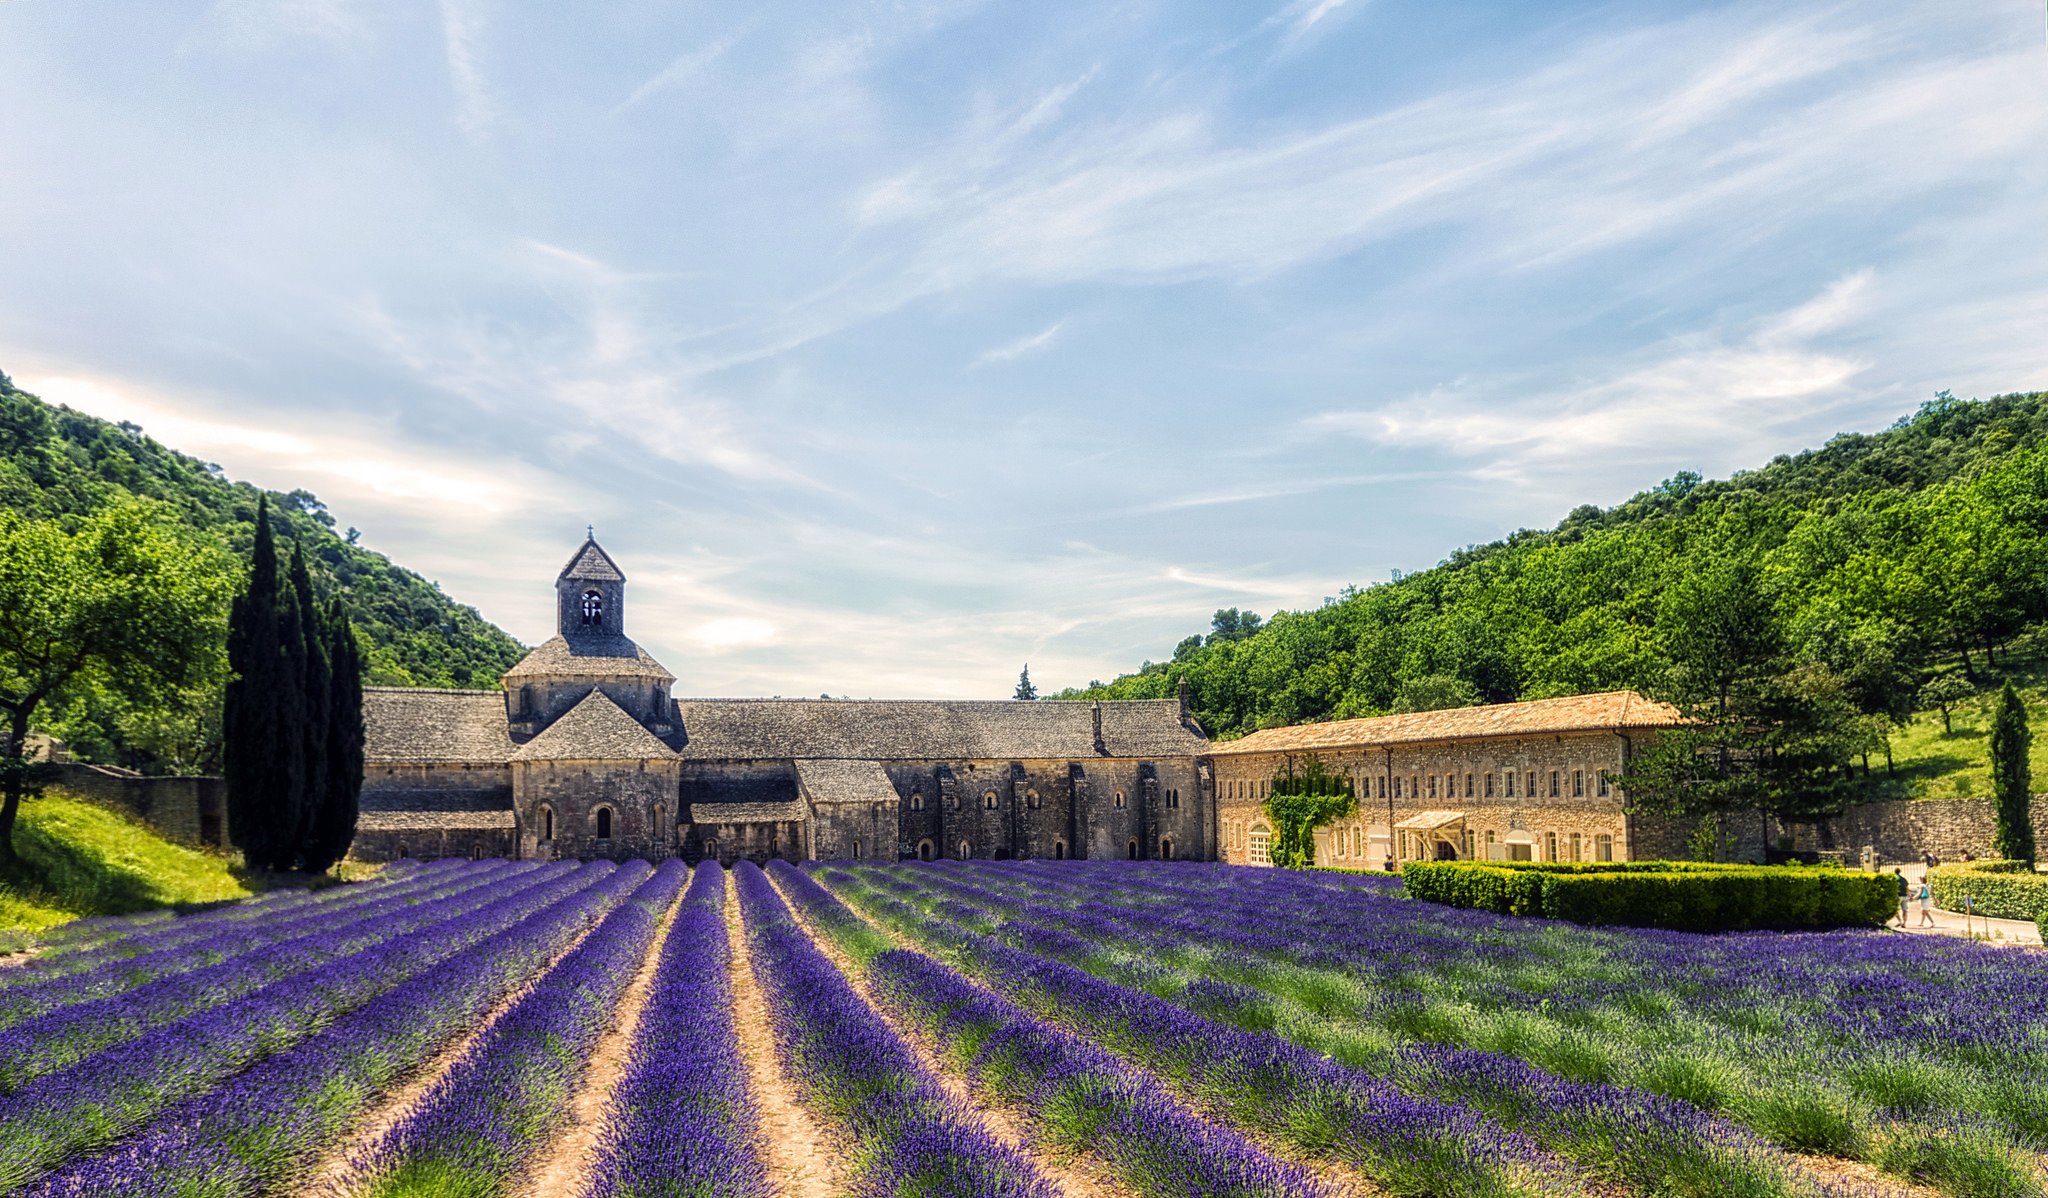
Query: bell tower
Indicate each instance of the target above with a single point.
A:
(590, 599)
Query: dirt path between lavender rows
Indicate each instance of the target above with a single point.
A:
(802, 1161)
(563, 1165)
(1076, 1175)
(335, 1174)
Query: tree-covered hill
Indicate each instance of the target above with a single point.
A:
(1883, 561)
(58, 463)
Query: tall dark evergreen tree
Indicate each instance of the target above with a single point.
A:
(262, 737)
(310, 644)
(2012, 782)
(336, 825)
(1025, 689)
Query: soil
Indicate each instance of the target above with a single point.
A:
(562, 1167)
(1077, 1176)
(802, 1160)
(1866, 1177)
(334, 1175)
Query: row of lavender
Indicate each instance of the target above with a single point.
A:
(231, 1096)
(1847, 1043)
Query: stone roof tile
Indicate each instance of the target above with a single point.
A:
(610, 657)
(596, 729)
(931, 729)
(1540, 717)
(412, 724)
(433, 821)
(590, 563)
(846, 782)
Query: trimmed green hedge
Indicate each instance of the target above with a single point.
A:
(1680, 895)
(2001, 889)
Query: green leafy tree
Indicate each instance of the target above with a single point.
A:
(123, 602)
(1300, 801)
(1025, 690)
(1434, 692)
(2012, 783)
(1944, 692)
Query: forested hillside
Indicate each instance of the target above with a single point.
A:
(1885, 562)
(57, 463)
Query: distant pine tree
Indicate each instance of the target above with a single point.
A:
(335, 825)
(1025, 690)
(2011, 778)
(261, 727)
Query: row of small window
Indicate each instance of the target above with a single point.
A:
(926, 850)
(990, 800)
(1412, 786)
(1255, 840)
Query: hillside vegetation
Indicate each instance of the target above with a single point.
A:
(1888, 561)
(89, 860)
(56, 464)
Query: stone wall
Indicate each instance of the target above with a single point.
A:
(190, 810)
(1101, 809)
(640, 798)
(1904, 829)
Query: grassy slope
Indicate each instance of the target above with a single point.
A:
(1941, 764)
(88, 860)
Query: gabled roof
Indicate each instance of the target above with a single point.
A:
(610, 657)
(932, 729)
(845, 782)
(1609, 711)
(412, 724)
(590, 563)
(596, 729)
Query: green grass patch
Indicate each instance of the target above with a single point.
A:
(80, 859)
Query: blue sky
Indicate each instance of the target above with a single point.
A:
(892, 345)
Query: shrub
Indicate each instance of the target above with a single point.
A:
(1994, 889)
(1680, 895)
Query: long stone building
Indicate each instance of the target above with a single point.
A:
(1513, 781)
(584, 752)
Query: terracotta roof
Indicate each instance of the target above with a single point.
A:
(931, 729)
(744, 813)
(433, 821)
(413, 724)
(596, 729)
(846, 782)
(590, 563)
(609, 657)
(1540, 717)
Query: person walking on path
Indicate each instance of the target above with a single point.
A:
(1926, 904)
(1904, 890)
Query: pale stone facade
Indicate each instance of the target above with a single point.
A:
(584, 753)
(1515, 781)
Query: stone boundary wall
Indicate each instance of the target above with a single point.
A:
(190, 810)
(1901, 830)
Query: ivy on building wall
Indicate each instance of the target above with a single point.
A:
(1301, 800)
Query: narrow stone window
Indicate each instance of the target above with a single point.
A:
(1468, 786)
(1578, 784)
(917, 801)
(401, 850)
(1509, 776)
(1603, 847)
(966, 850)
(1131, 849)
(988, 801)
(1603, 784)
(593, 609)
(547, 823)
(604, 823)
(1553, 784)
(1031, 799)
(1531, 792)
(1119, 800)
(856, 850)
(1432, 786)
(1575, 846)
(1550, 846)
(1166, 848)
(1059, 850)
(1489, 786)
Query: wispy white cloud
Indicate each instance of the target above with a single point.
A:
(1023, 347)
(680, 70)
(462, 28)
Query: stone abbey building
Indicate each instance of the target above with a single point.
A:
(584, 752)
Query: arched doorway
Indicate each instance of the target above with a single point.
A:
(1002, 854)
(1166, 848)
(924, 850)
(604, 823)
(547, 822)
(1059, 850)
(1131, 849)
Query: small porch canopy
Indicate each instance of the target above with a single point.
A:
(1430, 821)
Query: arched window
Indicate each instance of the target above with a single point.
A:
(1166, 848)
(401, 850)
(476, 851)
(1261, 852)
(917, 801)
(1603, 847)
(1131, 849)
(1059, 850)
(711, 849)
(1119, 800)
(954, 802)
(604, 823)
(966, 850)
(856, 850)
(1031, 799)
(547, 822)
(989, 800)
(593, 609)
(924, 850)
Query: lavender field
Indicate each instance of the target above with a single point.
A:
(968, 1028)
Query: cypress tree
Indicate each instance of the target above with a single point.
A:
(310, 643)
(261, 738)
(2012, 781)
(336, 825)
